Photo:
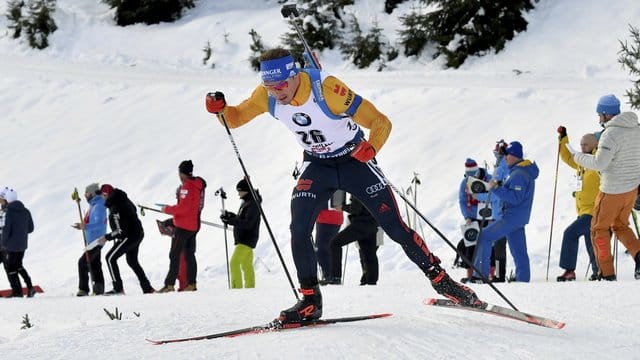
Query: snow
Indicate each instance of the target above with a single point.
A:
(125, 106)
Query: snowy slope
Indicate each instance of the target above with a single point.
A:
(125, 106)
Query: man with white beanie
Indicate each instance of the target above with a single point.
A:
(13, 242)
(618, 161)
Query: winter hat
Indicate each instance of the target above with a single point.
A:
(515, 149)
(186, 167)
(106, 189)
(243, 185)
(9, 194)
(93, 189)
(470, 166)
(608, 105)
(501, 148)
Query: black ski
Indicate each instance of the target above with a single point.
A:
(491, 309)
(275, 325)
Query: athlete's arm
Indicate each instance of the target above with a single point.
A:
(247, 110)
(340, 99)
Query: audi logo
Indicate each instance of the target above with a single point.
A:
(375, 188)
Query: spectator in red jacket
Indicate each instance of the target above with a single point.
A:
(186, 219)
(328, 225)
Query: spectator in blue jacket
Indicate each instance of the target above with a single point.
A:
(516, 193)
(17, 226)
(470, 205)
(498, 269)
(94, 226)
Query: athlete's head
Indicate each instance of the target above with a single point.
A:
(279, 74)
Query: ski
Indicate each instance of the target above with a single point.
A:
(491, 309)
(273, 326)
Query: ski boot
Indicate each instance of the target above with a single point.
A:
(445, 286)
(307, 309)
(636, 274)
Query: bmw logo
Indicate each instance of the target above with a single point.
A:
(301, 119)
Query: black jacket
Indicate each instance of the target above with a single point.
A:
(358, 214)
(123, 218)
(246, 225)
(17, 225)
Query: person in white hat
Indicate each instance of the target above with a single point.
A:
(18, 224)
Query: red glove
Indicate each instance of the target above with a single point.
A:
(215, 102)
(562, 132)
(363, 152)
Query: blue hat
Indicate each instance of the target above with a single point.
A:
(515, 149)
(278, 69)
(608, 105)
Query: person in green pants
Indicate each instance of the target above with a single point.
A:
(246, 230)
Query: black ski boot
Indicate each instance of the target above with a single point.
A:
(445, 286)
(309, 308)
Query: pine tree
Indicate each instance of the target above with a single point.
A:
(629, 58)
(39, 24)
(321, 27)
(460, 28)
(414, 35)
(364, 49)
(14, 15)
(257, 48)
(390, 5)
(148, 11)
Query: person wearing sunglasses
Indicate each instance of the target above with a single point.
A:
(327, 119)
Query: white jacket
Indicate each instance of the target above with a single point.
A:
(618, 155)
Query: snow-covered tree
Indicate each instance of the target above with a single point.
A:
(148, 11)
(629, 57)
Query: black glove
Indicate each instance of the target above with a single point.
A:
(637, 204)
(227, 217)
(562, 132)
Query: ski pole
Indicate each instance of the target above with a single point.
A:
(415, 181)
(76, 197)
(344, 266)
(635, 222)
(223, 195)
(291, 12)
(406, 208)
(373, 166)
(553, 209)
(255, 197)
(143, 208)
(586, 273)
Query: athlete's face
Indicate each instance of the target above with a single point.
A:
(285, 90)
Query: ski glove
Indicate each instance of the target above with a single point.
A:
(562, 132)
(228, 217)
(363, 152)
(215, 102)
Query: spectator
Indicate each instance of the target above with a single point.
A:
(18, 224)
(472, 209)
(617, 158)
(587, 184)
(362, 228)
(328, 225)
(94, 226)
(127, 234)
(186, 219)
(337, 156)
(516, 194)
(246, 231)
